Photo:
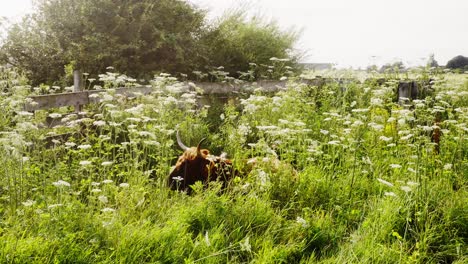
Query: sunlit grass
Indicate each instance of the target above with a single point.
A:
(334, 174)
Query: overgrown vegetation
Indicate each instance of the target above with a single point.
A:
(343, 175)
(138, 38)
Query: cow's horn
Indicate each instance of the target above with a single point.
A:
(179, 141)
(199, 154)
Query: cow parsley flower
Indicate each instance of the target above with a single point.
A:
(386, 139)
(61, 183)
(99, 123)
(107, 163)
(103, 199)
(334, 142)
(411, 183)
(85, 163)
(385, 182)
(302, 222)
(55, 115)
(29, 203)
(178, 179)
(52, 206)
(124, 185)
(406, 188)
(84, 146)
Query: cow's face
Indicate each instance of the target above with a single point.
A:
(190, 168)
(196, 164)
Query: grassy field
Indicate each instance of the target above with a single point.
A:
(344, 174)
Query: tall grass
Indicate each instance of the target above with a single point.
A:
(334, 174)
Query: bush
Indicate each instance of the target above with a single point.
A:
(458, 62)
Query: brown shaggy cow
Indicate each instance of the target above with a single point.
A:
(196, 164)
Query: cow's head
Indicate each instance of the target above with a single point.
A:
(196, 164)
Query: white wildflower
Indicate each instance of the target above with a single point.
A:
(29, 203)
(178, 179)
(386, 139)
(245, 245)
(85, 146)
(302, 221)
(385, 182)
(85, 163)
(103, 199)
(107, 163)
(390, 194)
(60, 183)
(55, 115)
(70, 144)
(108, 210)
(412, 183)
(107, 181)
(406, 188)
(99, 123)
(448, 166)
(52, 206)
(124, 185)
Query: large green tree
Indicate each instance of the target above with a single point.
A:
(135, 36)
(138, 38)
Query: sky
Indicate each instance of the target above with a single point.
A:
(353, 33)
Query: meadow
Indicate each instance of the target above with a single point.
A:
(343, 174)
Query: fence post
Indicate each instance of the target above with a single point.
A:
(77, 87)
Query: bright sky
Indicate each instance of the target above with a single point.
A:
(353, 32)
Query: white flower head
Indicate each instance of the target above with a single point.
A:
(385, 182)
(107, 163)
(103, 199)
(406, 189)
(29, 203)
(124, 185)
(85, 163)
(395, 166)
(108, 210)
(448, 166)
(61, 183)
(84, 146)
(302, 222)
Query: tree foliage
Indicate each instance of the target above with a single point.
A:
(458, 62)
(137, 37)
(235, 41)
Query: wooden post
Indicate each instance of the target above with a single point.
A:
(77, 87)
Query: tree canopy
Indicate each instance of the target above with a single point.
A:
(458, 62)
(137, 37)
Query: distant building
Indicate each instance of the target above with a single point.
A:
(316, 66)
